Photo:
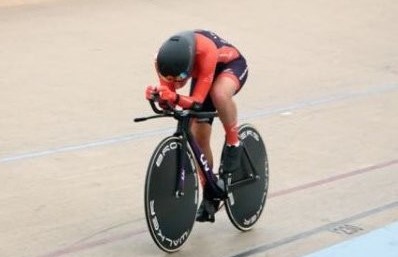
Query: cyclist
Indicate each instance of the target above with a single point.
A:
(217, 71)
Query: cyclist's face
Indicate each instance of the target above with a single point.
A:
(177, 81)
(180, 84)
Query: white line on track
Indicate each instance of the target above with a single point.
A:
(245, 116)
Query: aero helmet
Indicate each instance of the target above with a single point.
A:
(176, 55)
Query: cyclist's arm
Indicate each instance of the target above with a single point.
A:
(205, 65)
(206, 61)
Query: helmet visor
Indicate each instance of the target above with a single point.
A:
(180, 78)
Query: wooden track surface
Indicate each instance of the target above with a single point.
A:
(322, 89)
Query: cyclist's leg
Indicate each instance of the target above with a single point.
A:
(201, 130)
(221, 93)
(228, 82)
(202, 133)
(208, 206)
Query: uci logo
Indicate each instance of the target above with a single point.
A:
(204, 162)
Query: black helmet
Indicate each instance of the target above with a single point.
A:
(177, 55)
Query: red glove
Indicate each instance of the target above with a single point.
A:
(167, 95)
(150, 91)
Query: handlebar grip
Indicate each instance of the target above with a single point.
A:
(154, 107)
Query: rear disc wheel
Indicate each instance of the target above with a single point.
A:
(246, 201)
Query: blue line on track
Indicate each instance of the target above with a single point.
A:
(381, 242)
(261, 249)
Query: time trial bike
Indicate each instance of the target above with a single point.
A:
(172, 183)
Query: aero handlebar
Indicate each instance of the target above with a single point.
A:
(171, 111)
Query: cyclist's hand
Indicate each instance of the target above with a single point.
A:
(166, 94)
(150, 92)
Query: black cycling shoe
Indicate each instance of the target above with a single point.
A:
(207, 210)
(210, 203)
(232, 158)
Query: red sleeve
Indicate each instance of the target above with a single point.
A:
(206, 58)
(205, 66)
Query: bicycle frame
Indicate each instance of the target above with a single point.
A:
(184, 118)
(176, 186)
(183, 131)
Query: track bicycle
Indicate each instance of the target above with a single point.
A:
(172, 183)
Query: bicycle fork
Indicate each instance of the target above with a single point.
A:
(181, 162)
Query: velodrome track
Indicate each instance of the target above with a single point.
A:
(322, 89)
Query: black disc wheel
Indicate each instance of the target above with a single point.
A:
(170, 217)
(247, 188)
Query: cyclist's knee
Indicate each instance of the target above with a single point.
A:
(223, 89)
